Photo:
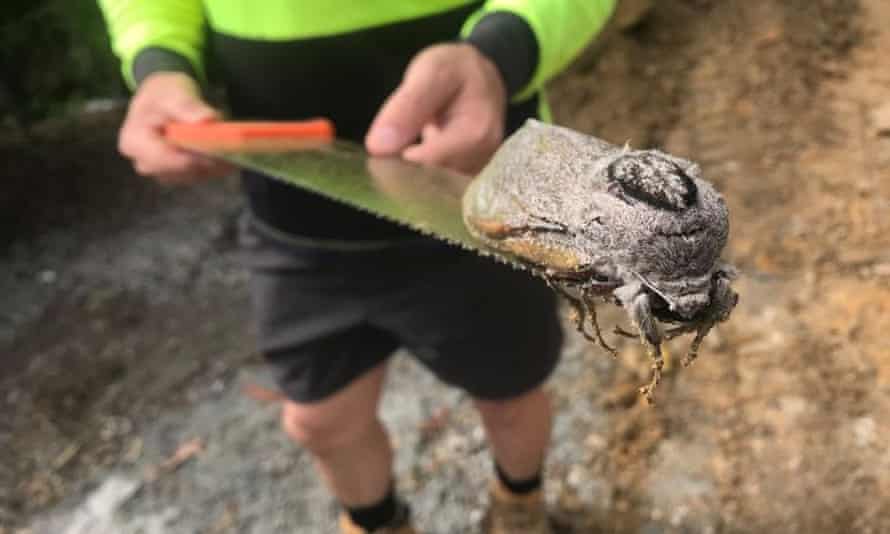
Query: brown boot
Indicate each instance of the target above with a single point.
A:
(400, 525)
(509, 513)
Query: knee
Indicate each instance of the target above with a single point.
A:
(321, 430)
(509, 412)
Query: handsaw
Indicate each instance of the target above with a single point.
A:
(307, 154)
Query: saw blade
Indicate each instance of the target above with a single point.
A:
(425, 199)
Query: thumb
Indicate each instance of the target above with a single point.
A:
(190, 109)
(423, 94)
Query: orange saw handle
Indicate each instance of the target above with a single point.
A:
(227, 132)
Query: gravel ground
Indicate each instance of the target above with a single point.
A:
(139, 350)
(126, 350)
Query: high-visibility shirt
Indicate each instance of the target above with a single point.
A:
(561, 27)
(292, 59)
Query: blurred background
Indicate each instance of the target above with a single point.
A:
(127, 371)
(55, 56)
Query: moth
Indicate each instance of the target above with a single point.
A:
(637, 228)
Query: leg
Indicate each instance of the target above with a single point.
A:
(584, 308)
(654, 352)
(498, 339)
(330, 366)
(347, 441)
(700, 334)
(519, 432)
(640, 310)
(590, 309)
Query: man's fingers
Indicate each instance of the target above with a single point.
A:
(463, 144)
(153, 156)
(187, 170)
(157, 157)
(453, 98)
(164, 160)
(185, 104)
(161, 99)
(185, 109)
(425, 91)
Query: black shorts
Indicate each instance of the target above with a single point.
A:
(328, 312)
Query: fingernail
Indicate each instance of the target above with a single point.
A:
(201, 115)
(386, 139)
(193, 112)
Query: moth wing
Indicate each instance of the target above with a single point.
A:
(538, 173)
(525, 200)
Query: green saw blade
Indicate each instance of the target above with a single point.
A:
(423, 198)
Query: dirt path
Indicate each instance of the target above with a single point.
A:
(128, 344)
(786, 106)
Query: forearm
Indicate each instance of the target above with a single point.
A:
(531, 41)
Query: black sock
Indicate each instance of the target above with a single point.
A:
(519, 487)
(377, 515)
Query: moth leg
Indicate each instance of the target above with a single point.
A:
(701, 331)
(654, 352)
(679, 331)
(624, 333)
(641, 314)
(724, 299)
(577, 309)
(590, 308)
(700, 334)
(578, 314)
(582, 310)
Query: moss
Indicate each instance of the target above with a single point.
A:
(53, 56)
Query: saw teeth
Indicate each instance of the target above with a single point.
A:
(484, 252)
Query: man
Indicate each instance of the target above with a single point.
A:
(335, 291)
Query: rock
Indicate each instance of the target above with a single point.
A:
(864, 431)
(158, 523)
(576, 476)
(47, 277)
(596, 442)
(108, 498)
(880, 119)
(96, 514)
(882, 269)
(793, 406)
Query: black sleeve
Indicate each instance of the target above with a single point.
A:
(509, 42)
(155, 59)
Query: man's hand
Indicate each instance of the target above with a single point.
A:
(162, 98)
(453, 100)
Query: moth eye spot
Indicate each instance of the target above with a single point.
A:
(654, 180)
